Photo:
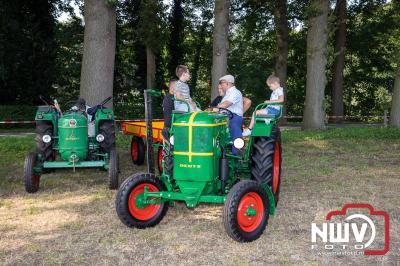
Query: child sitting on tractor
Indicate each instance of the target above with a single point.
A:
(277, 96)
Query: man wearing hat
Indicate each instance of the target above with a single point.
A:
(233, 101)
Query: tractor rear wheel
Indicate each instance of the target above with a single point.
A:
(131, 209)
(44, 128)
(113, 170)
(246, 211)
(168, 161)
(32, 180)
(137, 150)
(107, 129)
(267, 161)
(159, 159)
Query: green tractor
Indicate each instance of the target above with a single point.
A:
(69, 140)
(199, 167)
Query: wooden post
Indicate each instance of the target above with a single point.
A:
(149, 131)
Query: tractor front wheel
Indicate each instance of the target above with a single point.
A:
(246, 211)
(32, 179)
(137, 150)
(131, 207)
(113, 170)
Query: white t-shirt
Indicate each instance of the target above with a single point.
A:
(275, 96)
(234, 96)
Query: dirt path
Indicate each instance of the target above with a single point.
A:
(72, 220)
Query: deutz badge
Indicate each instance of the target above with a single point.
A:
(72, 123)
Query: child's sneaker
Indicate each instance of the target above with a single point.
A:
(246, 132)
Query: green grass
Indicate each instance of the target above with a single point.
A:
(353, 133)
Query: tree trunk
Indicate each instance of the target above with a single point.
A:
(151, 68)
(220, 44)
(98, 52)
(282, 40)
(395, 110)
(317, 36)
(340, 46)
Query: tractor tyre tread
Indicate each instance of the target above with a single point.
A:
(121, 203)
(107, 129)
(113, 169)
(30, 185)
(231, 209)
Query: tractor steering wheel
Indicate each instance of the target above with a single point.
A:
(226, 112)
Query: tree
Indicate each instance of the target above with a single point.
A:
(99, 51)
(282, 43)
(149, 31)
(395, 111)
(220, 44)
(317, 37)
(27, 50)
(175, 45)
(340, 46)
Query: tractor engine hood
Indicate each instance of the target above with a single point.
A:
(73, 137)
(195, 148)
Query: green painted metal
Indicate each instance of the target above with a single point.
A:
(250, 211)
(263, 124)
(47, 113)
(271, 198)
(79, 164)
(101, 115)
(200, 140)
(73, 139)
(190, 200)
(195, 152)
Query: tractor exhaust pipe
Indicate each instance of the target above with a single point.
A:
(223, 170)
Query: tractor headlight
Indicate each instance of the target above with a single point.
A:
(171, 140)
(100, 138)
(238, 143)
(46, 138)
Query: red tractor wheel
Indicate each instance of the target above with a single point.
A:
(159, 159)
(246, 211)
(137, 150)
(130, 205)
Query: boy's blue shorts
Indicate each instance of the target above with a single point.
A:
(272, 111)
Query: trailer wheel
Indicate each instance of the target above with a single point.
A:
(267, 161)
(44, 128)
(160, 156)
(129, 202)
(113, 170)
(31, 179)
(246, 211)
(107, 129)
(137, 150)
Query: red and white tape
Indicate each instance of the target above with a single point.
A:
(17, 122)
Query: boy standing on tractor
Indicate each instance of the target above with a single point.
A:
(168, 107)
(277, 96)
(182, 91)
(233, 101)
